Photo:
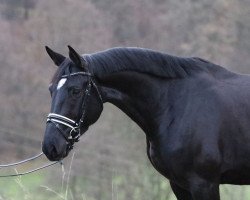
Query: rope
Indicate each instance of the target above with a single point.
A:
(21, 162)
(24, 161)
(29, 172)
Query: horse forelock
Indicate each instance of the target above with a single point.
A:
(61, 70)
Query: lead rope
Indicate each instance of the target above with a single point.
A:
(22, 161)
(25, 161)
(31, 171)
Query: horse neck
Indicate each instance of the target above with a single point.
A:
(136, 94)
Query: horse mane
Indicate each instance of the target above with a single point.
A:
(143, 61)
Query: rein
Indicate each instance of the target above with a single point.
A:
(21, 162)
(25, 161)
(75, 127)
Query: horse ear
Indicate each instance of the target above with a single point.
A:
(77, 59)
(56, 57)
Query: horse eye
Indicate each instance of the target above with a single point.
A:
(75, 91)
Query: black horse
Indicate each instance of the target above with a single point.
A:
(195, 114)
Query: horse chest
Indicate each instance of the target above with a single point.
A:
(156, 159)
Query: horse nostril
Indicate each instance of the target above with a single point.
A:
(50, 151)
(53, 151)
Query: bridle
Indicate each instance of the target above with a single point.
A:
(74, 126)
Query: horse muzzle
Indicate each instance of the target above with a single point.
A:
(54, 145)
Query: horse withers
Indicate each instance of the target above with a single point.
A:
(195, 114)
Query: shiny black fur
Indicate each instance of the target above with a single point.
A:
(195, 114)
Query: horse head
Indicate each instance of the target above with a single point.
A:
(76, 103)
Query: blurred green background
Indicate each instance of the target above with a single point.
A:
(110, 162)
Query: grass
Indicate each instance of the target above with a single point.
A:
(37, 187)
(33, 186)
(20, 187)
